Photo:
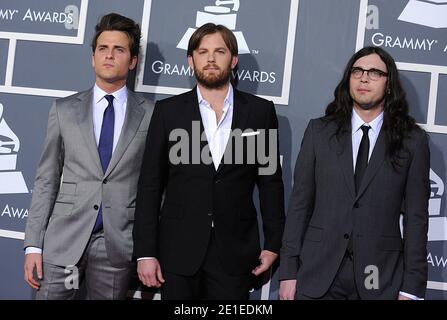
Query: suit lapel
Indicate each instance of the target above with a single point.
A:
(241, 110)
(344, 153)
(84, 116)
(133, 118)
(192, 102)
(377, 157)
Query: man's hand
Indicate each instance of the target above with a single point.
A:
(33, 260)
(149, 273)
(266, 259)
(402, 297)
(287, 289)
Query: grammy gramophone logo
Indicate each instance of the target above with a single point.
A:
(218, 14)
(437, 230)
(429, 13)
(11, 180)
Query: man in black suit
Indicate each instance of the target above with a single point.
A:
(203, 243)
(359, 167)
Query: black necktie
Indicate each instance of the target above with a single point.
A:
(105, 147)
(362, 157)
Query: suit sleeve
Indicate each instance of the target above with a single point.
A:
(301, 205)
(154, 169)
(271, 187)
(417, 193)
(46, 183)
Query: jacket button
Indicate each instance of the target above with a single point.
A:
(217, 181)
(210, 214)
(356, 205)
(105, 181)
(346, 236)
(95, 207)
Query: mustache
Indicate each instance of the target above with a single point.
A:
(211, 66)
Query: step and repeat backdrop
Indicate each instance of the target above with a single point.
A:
(291, 51)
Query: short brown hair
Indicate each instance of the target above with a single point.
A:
(117, 22)
(211, 28)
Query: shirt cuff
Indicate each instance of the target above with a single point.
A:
(29, 250)
(412, 297)
(145, 258)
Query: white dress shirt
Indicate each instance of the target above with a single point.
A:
(357, 133)
(99, 105)
(217, 133)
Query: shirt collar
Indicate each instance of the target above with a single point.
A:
(228, 101)
(357, 122)
(119, 95)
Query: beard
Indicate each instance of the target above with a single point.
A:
(369, 105)
(214, 81)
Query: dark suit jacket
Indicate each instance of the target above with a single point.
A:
(324, 212)
(196, 194)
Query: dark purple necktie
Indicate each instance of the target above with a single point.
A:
(105, 147)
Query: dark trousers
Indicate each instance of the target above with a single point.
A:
(343, 287)
(211, 282)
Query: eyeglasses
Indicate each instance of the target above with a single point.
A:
(373, 74)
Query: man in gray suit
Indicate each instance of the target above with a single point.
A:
(359, 167)
(79, 228)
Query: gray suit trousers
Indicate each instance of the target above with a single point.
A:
(93, 273)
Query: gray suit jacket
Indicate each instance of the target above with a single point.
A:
(325, 212)
(70, 184)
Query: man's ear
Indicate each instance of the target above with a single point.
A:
(191, 62)
(234, 61)
(133, 62)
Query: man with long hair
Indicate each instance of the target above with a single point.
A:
(360, 166)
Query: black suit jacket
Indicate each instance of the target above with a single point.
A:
(324, 213)
(195, 194)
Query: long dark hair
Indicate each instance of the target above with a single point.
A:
(396, 121)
